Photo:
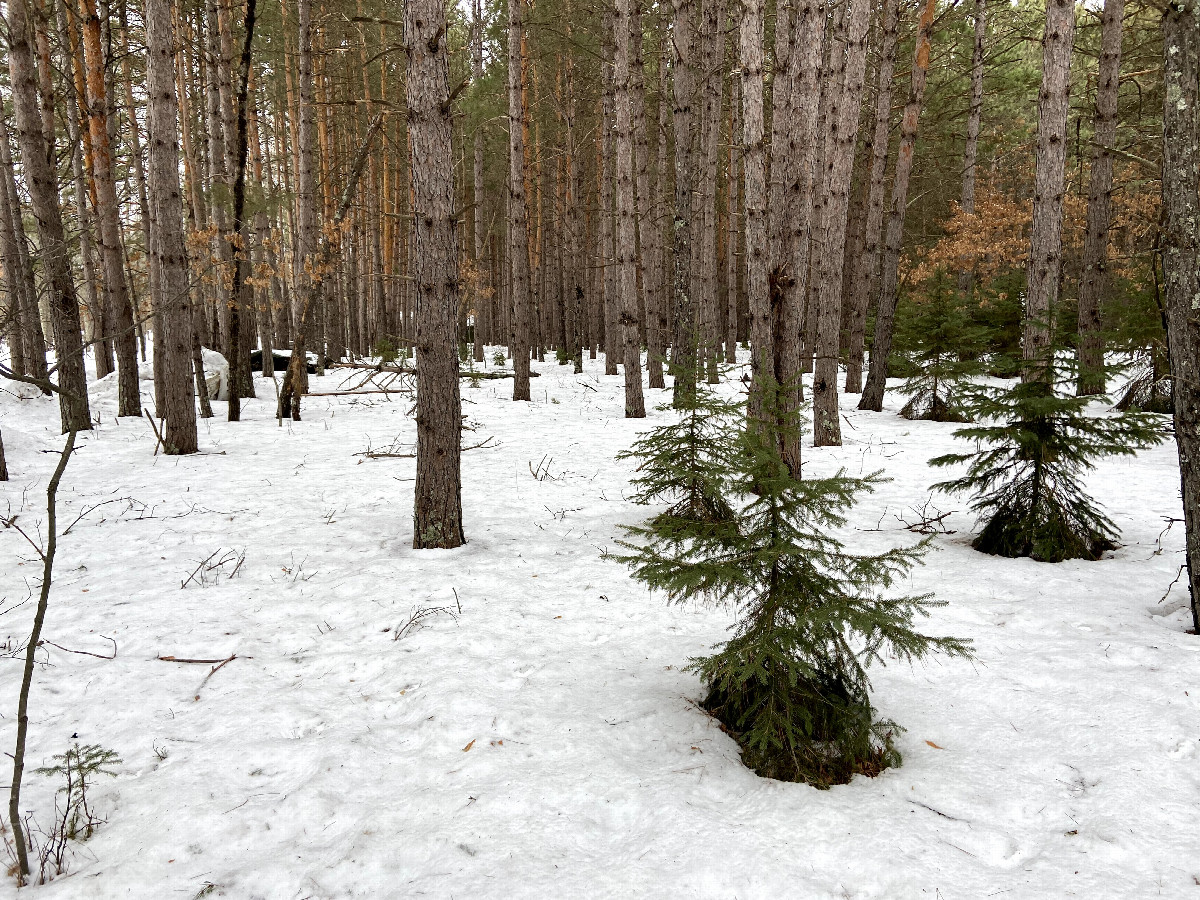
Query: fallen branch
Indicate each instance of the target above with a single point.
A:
(215, 670)
(200, 662)
(161, 442)
(359, 393)
(485, 444)
(91, 509)
(199, 567)
(86, 652)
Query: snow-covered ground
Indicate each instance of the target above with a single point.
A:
(546, 744)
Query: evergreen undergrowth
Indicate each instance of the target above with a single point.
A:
(790, 684)
(944, 349)
(1035, 444)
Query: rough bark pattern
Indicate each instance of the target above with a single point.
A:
(1181, 258)
(37, 157)
(1045, 251)
(704, 209)
(809, 25)
(172, 305)
(18, 273)
(80, 141)
(437, 514)
(607, 165)
(839, 167)
(241, 295)
(974, 120)
(307, 273)
(750, 48)
(684, 342)
(635, 407)
(518, 230)
(732, 251)
(481, 301)
(661, 334)
(865, 265)
(872, 396)
(109, 214)
(1099, 212)
(648, 231)
(783, 299)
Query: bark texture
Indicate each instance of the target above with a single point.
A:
(1045, 251)
(437, 514)
(843, 118)
(37, 157)
(172, 305)
(1094, 279)
(974, 120)
(626, 244)
(754, 164)
(1181, 258)
(685, 341)
(109, 214)
(865, 265)
(518, 229)
(872, 396)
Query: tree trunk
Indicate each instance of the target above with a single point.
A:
(1045, 251)
(1099, 212)
(17, 269)
(437, 512)
(574, 274)
(219, 174)
(809, 26)
(37, 157)
(240, 384)
(518, 229)
(784, 310)
(684, 340)
(139, 177)
(732, 254)
(1181, 258)
(750, 47)
(843, 117)
(307, 272)
(872, 396)
(974, 120)
(648, 230)
(481, 300)
(610, 319)
(704, 210)
(865, 266)
(109, 214)
(75, 92)
(172, 304)
(635, 407)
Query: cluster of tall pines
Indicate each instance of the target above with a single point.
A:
(848, 188)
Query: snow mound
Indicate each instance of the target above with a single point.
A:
(102, 393)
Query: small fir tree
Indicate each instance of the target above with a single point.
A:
(686, 461)
(1026, 473)
(944, 348)
(791, 683)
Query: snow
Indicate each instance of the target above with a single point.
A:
(543, 741)
(102, 392)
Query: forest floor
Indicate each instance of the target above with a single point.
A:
(544, 741)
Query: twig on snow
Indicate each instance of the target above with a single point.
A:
(86, 652)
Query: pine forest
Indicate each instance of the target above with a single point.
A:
(516, 448)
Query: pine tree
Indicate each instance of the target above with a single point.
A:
(943, 348)
(1026, 473)
(791, 683)
(686, 462)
